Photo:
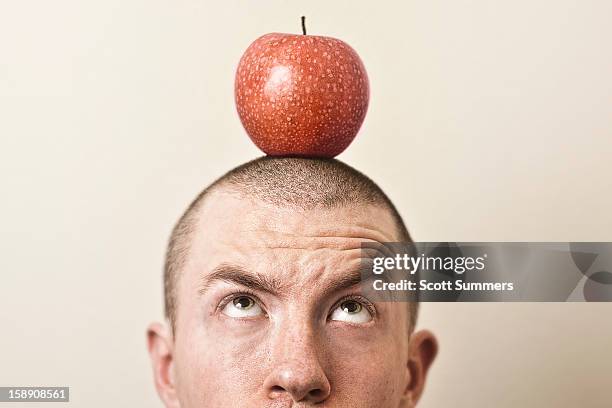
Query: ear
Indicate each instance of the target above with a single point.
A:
(160, 344)
(423, 349)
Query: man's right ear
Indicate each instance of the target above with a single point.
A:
(160, 344)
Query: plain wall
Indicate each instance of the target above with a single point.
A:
(488, 121)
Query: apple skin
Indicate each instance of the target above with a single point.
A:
(301, 95)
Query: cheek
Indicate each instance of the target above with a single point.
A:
(220, 364)
(367, 369)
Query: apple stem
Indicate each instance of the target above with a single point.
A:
(304, 25)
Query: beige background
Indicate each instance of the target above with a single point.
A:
(489, 120)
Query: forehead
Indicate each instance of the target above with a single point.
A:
(233, 228)
(224, 213)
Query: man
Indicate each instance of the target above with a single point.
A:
(263, 302)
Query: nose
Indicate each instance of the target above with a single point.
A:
(300, 381)
(296, 371)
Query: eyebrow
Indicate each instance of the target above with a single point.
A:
(346, 281)
(236, 274)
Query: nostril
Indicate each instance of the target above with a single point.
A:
(315, 394)
(277, 389)
(318, 393)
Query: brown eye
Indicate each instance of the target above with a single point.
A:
(243, 302)
(351, 307)
(243, 306)
(351, 311)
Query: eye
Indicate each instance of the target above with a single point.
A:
(242, 306)
(351, 311)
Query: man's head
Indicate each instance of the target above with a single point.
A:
(263, 299)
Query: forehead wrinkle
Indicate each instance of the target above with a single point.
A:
(305, 243)
(355, 232)
(324, 278)
(352, 232)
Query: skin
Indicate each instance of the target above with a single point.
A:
(299, 343)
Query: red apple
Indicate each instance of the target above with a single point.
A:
(301, 95)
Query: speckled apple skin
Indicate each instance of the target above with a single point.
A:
(301, 95)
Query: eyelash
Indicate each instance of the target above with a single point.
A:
(357, 298)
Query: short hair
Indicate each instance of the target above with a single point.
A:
(305, 183)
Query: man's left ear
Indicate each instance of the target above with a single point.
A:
(423, 349)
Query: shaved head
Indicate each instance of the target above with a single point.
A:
(284, 182)
(265, 299)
